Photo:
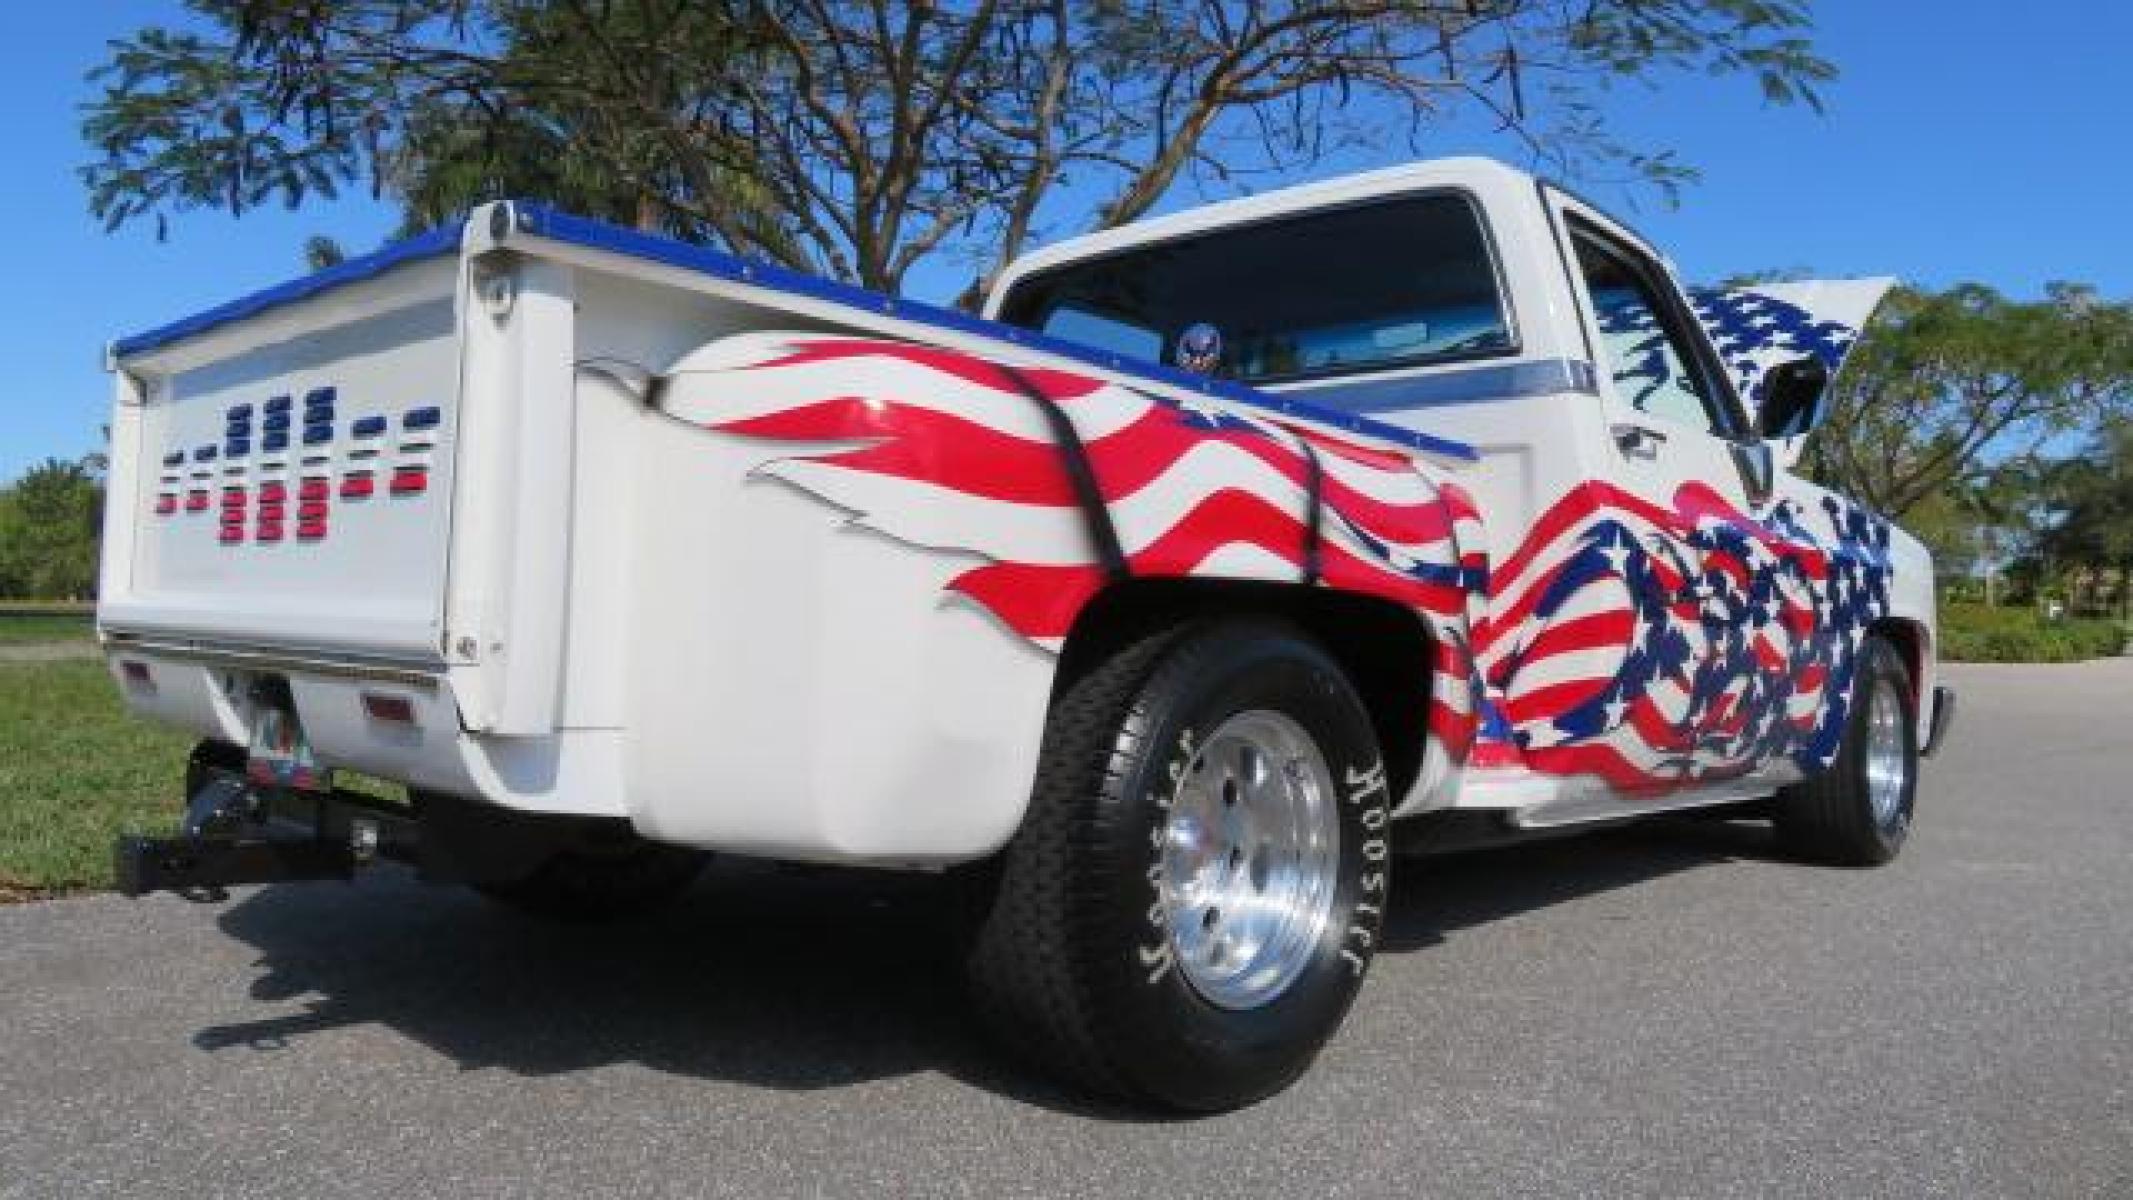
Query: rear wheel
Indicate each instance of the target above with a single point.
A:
(1196, 890)
(1858, 813)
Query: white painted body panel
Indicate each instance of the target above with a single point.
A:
(599, 608)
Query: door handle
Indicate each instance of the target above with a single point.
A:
(1637, 441)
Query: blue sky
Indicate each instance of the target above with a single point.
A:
(1967, 139)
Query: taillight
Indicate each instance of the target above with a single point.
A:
(137, 675)
(390, 707)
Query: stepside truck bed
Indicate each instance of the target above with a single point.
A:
(432, 475)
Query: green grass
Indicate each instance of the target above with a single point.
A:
(24, 628)
(75, 772)
(1976, 633)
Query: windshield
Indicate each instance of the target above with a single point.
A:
(1394, 283)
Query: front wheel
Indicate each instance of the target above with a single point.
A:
(1196, 890)
(1858, 812)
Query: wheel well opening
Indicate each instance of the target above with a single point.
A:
(1384, 648)
(1909, 638)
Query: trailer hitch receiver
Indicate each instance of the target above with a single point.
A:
(237, 832)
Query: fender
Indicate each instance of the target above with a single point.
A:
(1060, 483)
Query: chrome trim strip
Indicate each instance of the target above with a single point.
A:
(1472, 385)
(1599, 805)
(428, 677)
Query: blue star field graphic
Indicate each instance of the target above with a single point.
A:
(1746, 325)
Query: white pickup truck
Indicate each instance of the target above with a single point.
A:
(1227, 558)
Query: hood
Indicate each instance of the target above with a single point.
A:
(1755, 328)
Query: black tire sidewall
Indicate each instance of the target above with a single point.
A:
(1172, 1042)
(1883, 664)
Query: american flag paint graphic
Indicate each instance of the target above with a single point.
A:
(1754, 329)
(1655, 647)
(1644, 646)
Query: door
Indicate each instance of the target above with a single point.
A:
(1680, 513)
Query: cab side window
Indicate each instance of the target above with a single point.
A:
(1645, 351)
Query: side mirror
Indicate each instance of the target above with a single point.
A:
(1792, 399)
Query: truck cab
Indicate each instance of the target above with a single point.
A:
(1466, 299)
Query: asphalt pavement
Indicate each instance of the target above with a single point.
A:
(1670, 1010)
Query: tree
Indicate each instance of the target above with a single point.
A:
(49, 522)
(1958, 389)
(2095, 530)
(861, 137)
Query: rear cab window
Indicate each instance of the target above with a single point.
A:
(1397, 283)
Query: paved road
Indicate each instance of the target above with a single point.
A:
(1670, 1011)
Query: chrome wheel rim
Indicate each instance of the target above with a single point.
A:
(1886, 764)
(1251, 852)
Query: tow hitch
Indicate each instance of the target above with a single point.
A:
(239, 832)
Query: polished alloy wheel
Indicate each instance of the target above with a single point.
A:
(1251, 852)
(1887, 765)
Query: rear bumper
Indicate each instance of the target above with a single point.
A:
(573, 772)
(1940, 719)
(239, 832)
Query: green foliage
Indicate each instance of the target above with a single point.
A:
(50, 520)
(35, 628)
(1976, 633)
(859, 137)
(2092, 496)
(76, 771)
(1959, 391)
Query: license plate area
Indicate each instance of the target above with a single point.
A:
(279, 755)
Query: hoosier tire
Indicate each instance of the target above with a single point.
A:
(1195, 893)
(1858, 812)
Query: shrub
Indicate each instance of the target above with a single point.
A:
(1975, 633)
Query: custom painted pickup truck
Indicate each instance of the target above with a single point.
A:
(1228, 558)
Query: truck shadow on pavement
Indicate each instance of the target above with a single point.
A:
(766, 978)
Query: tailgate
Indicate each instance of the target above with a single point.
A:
(286, 480)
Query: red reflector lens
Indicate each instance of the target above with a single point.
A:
(409, 479)
(233, 497)
(311, 531)
(314, 488)
(273, 493)
(355, 487)
(232, 534)
(195, 501)
(385, 706)
(269, 531)
(165, 505)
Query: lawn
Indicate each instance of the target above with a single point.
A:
(20, 628)
(75, 771)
